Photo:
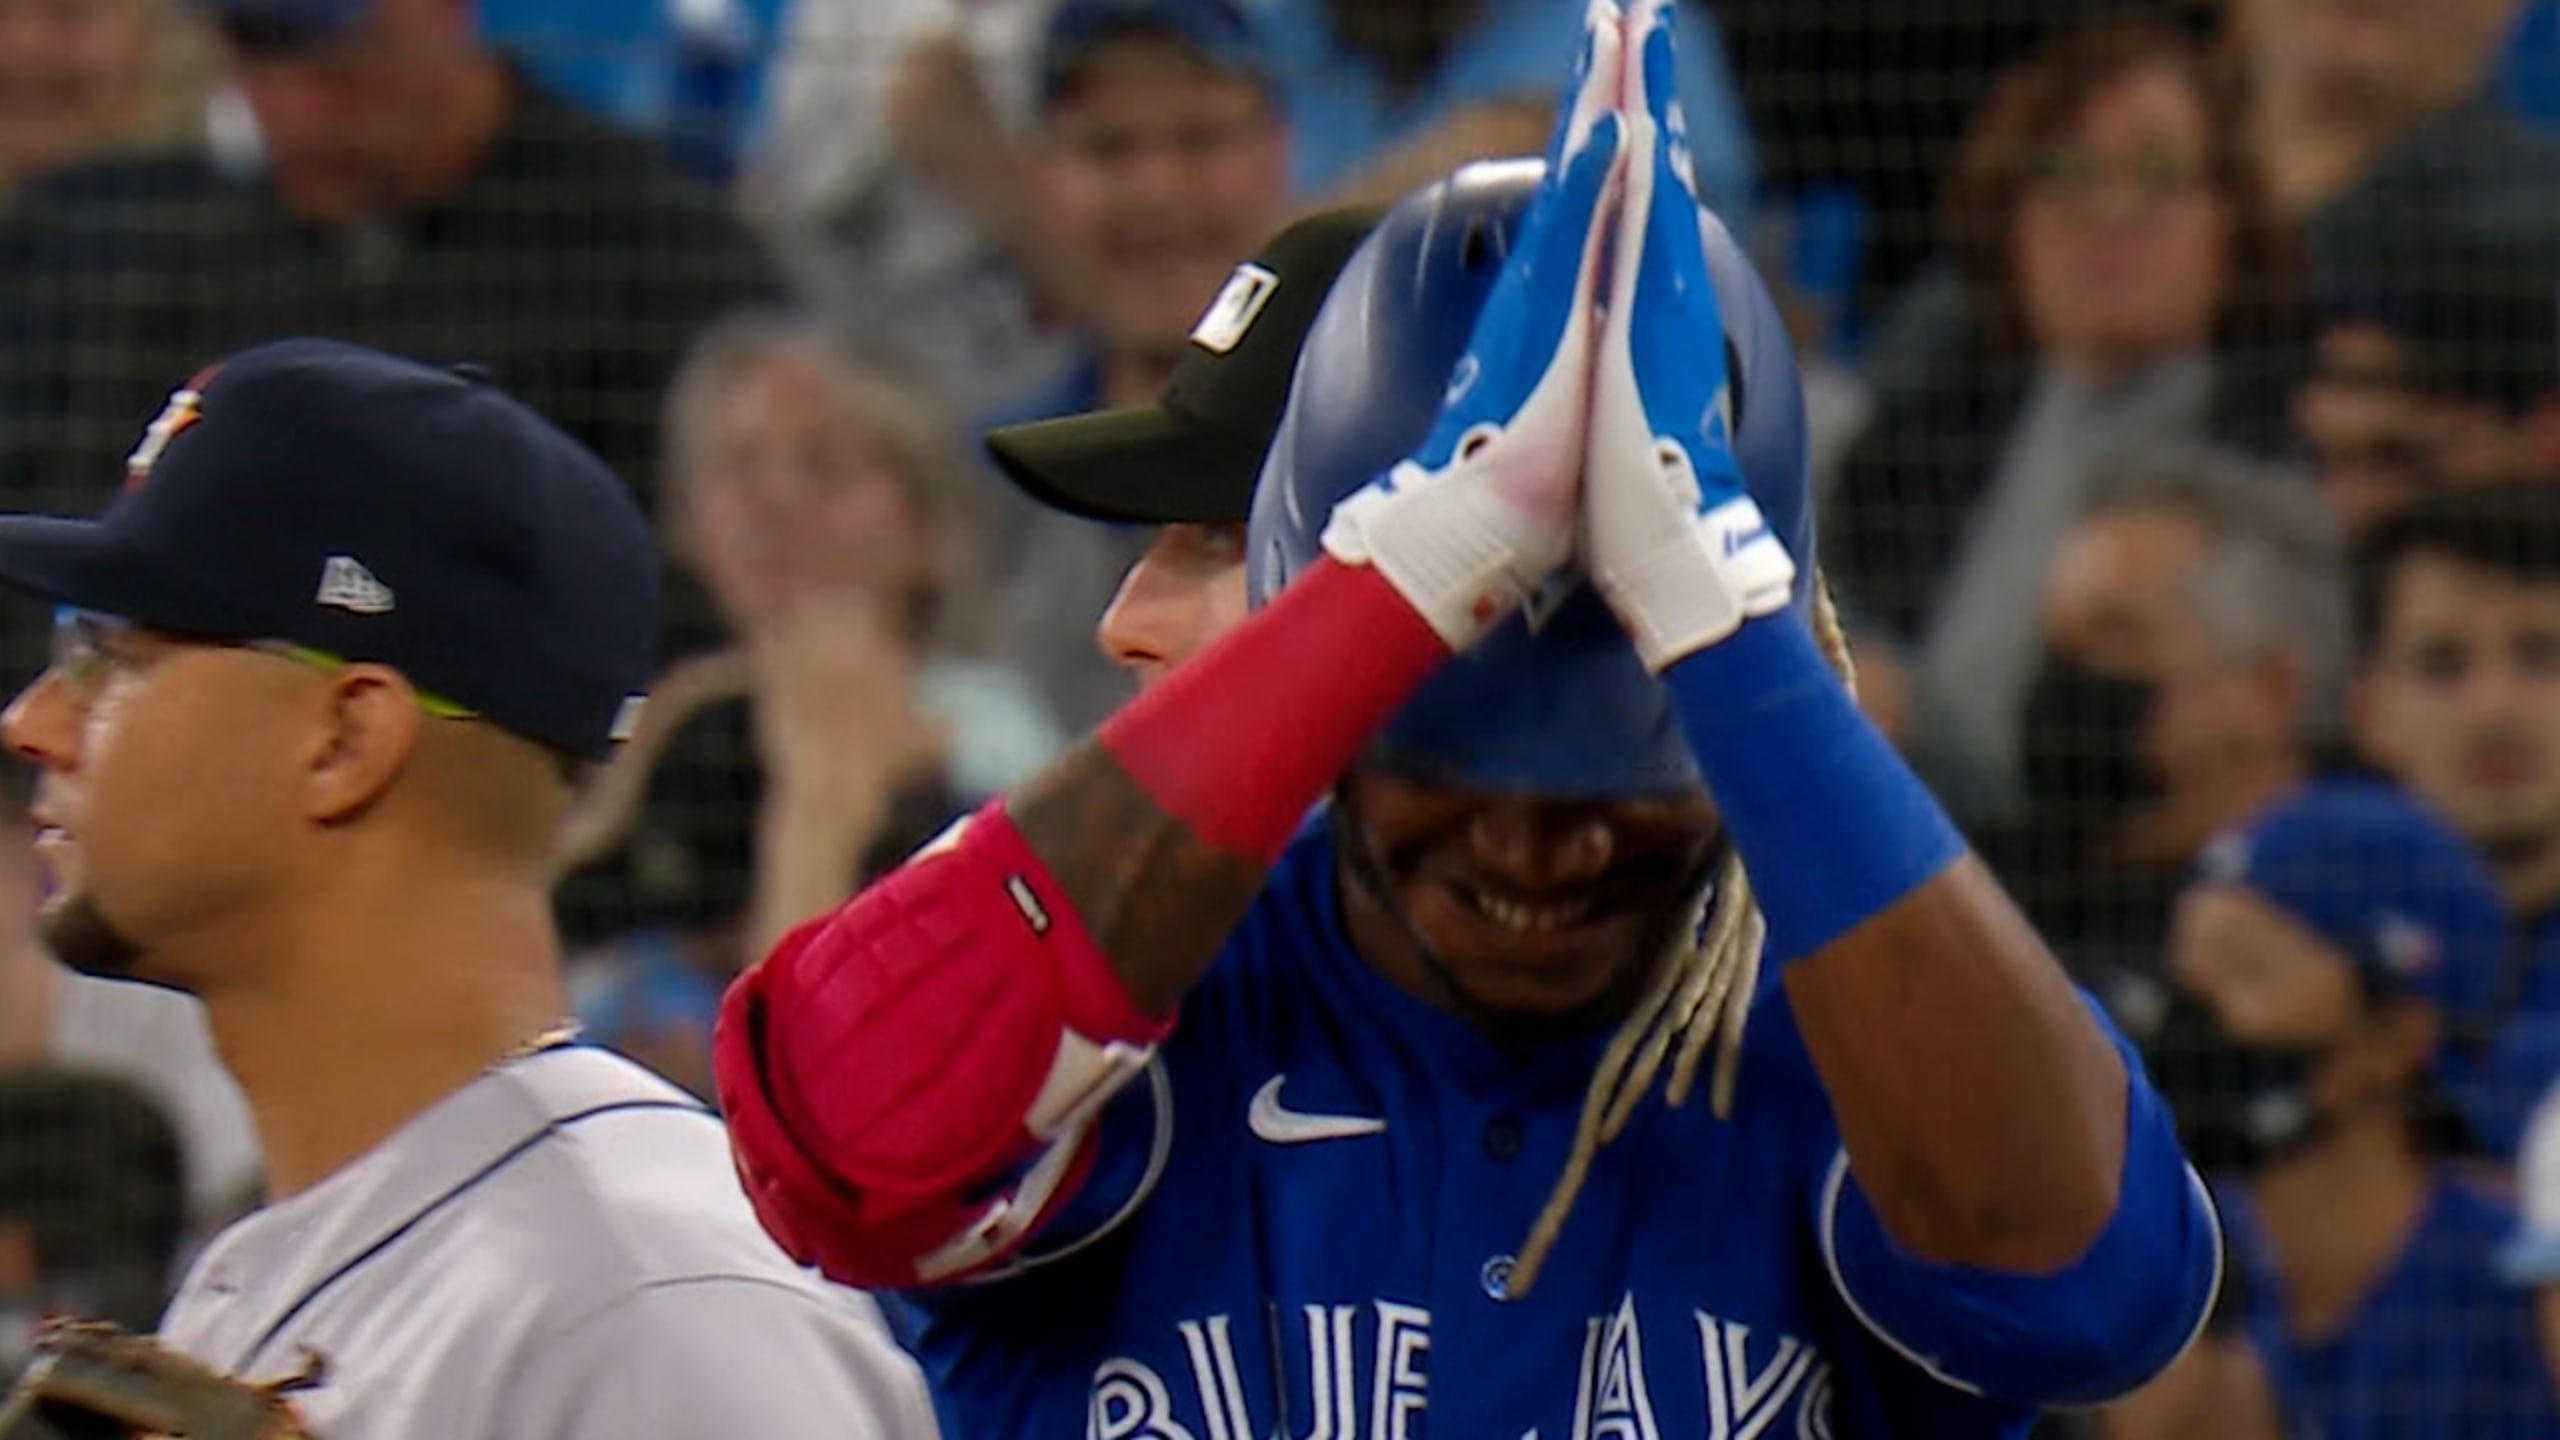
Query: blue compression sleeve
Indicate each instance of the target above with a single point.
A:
(2093, 1330)
(1832, 824)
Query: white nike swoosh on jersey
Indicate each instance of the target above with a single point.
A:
(1292, 1127)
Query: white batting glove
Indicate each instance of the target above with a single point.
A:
(1488, 507)
(1670, 535)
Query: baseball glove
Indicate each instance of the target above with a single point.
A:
(98, 1382)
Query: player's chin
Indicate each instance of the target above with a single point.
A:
(79, 935)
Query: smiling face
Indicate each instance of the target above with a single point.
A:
(1157, 173)
(1517, 910)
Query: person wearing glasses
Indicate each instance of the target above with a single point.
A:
(323, 678)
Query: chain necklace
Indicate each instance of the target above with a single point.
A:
(561, 1033)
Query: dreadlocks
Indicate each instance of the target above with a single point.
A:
(1701, 995)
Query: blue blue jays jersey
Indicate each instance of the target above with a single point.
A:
(2440, 1349)
(1303, 1221)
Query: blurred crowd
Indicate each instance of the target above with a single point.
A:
(2185, 382)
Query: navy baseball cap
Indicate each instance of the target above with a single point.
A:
(1219, 32)
(2376, 875)
(1194, 456)
(376, 509)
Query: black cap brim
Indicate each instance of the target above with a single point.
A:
(1144, 465)
(78, 563)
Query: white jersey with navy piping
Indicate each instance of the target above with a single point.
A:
(558, 1249)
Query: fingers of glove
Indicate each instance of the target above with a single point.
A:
(1598, 81)
(1561, 234)
(1546, 439)
(1660, 363)
(1675, 327)
(1650, 79)
(1535, 322)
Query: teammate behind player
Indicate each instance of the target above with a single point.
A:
(330, 663)
(1188, 462)
(1943, 1195)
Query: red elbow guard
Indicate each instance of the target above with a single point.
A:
(952, 1027)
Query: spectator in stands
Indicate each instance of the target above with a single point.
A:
(2128, 277)
(1186, 465)
(2457, 694)
(80, 79)
(1871, 98)
(2383, 135)
(691, 72)
(1161, 161)
(92, 1204)
(414, 192)
(2386, 147)
(828, 506)
(2450, 378)
(156, 1039)
(1389, 95)
(891, 176)
(2320, 954)
(2195, 637)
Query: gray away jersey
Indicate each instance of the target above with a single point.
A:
(560, 1250)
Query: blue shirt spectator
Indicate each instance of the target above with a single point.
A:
(1348, 111)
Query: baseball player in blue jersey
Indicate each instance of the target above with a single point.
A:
(1174, 1111)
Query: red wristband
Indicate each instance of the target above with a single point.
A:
(1243, 739)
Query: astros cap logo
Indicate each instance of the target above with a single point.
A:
(184, 409)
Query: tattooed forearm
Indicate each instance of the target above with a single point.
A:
(1157, 898)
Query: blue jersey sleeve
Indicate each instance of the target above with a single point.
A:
(2092, 1331)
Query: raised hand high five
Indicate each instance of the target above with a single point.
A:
(1670, 535)
(1489, 505)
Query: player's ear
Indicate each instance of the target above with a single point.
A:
(368, 725)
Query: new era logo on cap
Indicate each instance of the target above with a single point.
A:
(2407, 947)
(1229, 316)
(2225, 859)
(346, 585)
(348, 501)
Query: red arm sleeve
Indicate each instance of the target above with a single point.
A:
(951, 1031)
(912, 1082)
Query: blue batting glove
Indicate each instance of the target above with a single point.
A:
(1671, 536)
(1489, 505)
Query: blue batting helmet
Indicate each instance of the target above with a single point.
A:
(1554, 702)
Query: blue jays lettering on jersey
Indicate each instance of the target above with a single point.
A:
(2441, 1349)
(1302, 1219)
